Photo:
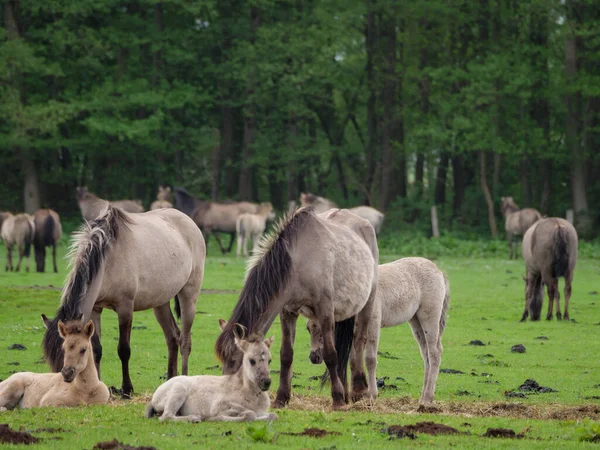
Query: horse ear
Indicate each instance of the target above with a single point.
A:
(62, 329)
(89, 329)
(269, 341)
(46, 321)
(241, 344)
(239, 331)
(222, 324)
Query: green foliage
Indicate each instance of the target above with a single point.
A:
(260, 432)
(589, 433)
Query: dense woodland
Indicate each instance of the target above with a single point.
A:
(396, 104)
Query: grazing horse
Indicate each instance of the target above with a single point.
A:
(517, 222)
(48, 232)
(325, 266)
(77, 384)
(409, 290)
(550, 252)
(91, 205)
(18, 230)
(163, 198)
(322, 204)
(132, 262)
(238, 397)
(214, 217)
(252, 226)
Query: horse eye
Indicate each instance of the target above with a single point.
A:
(82, 350)
(269, 361)
(252, 362)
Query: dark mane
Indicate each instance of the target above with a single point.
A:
(88, 252)
(187, 203)
(267, 275)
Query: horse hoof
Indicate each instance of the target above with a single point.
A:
(548, 317)
(339, 406)
(280, 402)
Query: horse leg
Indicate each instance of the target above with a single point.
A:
(286, 356)
(177, 396)
(556, 298)
(568, 281)
(231, 239)
(124, 349)
(169, 326)
(357, 369)
(550, 289)
(187, 302)
(331, 360)
(214, 232)
(246, 245)
(20, 249)
(431, 330)
(240, 241)
(96, 338)
(419, 335)
(53, 257)
(371, 356)
(9, 258)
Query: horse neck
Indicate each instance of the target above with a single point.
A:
(88, 377)
(245, 382)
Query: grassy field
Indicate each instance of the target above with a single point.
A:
(486, 305)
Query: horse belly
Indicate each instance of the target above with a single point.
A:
(352, 284)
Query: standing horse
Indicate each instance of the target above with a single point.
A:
(326, 266)
(252, 226)
(212, 217)
(322, 204)
(409, 290)
(48, 232)
(91, 205)
(517, 222)
(18, 230)
(132, 262)
(163, 199)
(550, 252)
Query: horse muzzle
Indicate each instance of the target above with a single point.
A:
(316, 356)
(68, 374)
(265, 384)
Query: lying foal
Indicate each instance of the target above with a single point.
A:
(228, 398)
(77, 384)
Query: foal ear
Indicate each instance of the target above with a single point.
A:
(89, 329)
(239, 331)
(269, 341)
(222, 324)
(62, 329)
(45, 320)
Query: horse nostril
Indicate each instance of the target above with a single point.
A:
(267, 383)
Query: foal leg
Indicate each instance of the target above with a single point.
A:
(357, 368)
(240, 241)
(286, 355)
(171, 331)
(96, 344)
(419, 335)
(568, 281)
(431, 330)
(231, 239)
(124, 349)
(371, 356)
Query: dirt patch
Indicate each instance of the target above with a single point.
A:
(533, 386)
(17, 347)
(477, 342)
(454, 371)
(48, 430)
(116, 445)
(10, 436)
(519, 348)
(399, 432)
(502, 433)
(542, 338)
(387, 355)
(314, 432)
(431, 428)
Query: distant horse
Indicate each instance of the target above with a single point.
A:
(48, 232)
(212, 217)
(91, 205)
(238, 397)
(4, 215)
(410, 290)
(132, 262)
(252, 226)
(517, 222)
(550, 252)
(77, 384)
(326, 266)
(321, 204)
(163, 199)
(18, 230)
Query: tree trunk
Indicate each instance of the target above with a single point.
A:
(486, 193)
(440, 181)
(371, 47)
(460, 184)
(526, 192)
(32, 186)
(215, 167)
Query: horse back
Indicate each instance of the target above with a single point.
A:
(550, 247)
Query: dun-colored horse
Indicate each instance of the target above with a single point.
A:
(77, 384)
(163, 198)
(132, 262)
(48, 231)
(18, 230)
(550, 252)
(252, 226)
(517, 222)
(326, 266)
(91, 205)
(409, 290)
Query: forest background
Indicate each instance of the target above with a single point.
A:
(400, 105)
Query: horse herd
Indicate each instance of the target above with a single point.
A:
(319, 262)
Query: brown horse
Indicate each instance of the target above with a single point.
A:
(48, 232)
(18, 230)
(324, 266)
(517, 222)
(550, 252)
(212, 217)
(91, 205)
(133, 262)
(163, 198)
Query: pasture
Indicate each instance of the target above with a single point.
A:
(487, 299)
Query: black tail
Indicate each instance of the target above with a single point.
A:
(48, 232)
(560, 253)
(344, 336)
(537, 298)
(177, 307)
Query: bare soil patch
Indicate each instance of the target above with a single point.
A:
(502, 433)
(10, 436)
(116, 445)
(314, 432)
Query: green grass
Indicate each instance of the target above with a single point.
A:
(487, 302)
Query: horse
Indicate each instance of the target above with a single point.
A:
(322, 204)
(48, 232)
(409, 290)
(77, 384)
(550, 252)
(91, 205)
(212, 217)
(18, 230)
(163, 198)
(326, 266)
(252, 226)
(516, 222)
(241, 396)
(133, 262)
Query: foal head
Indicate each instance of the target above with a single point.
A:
(316, 341)
(77, 346)
(508, 206)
